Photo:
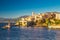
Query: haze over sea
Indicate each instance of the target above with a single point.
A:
(16, 33)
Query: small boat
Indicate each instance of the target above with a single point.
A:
(7, 26)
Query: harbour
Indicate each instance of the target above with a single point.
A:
(29, 19)
(29, 33)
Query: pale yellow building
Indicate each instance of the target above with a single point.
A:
(23, 23)
(57, 16)
(37, 16)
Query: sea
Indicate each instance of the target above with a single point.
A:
(29, 33)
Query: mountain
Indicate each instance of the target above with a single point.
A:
(12, 20)
(5, 20)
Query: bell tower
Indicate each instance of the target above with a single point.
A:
(32, 13)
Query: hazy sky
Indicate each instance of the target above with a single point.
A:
(16, 8)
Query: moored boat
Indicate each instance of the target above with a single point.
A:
(7, 26)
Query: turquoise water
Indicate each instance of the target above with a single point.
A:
(16, 33)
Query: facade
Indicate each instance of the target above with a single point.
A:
(23, 23)
(58, 16)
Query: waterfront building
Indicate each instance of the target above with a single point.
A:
(23, 22)
(38, 17)
(57, 16)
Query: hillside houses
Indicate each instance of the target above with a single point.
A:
(38, 17)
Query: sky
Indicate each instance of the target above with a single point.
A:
(16, 8)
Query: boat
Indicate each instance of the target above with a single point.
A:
(7, 26)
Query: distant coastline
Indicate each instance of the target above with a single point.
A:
(47, 19)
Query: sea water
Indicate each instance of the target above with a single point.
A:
(30, 33)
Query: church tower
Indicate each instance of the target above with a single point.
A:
(33, 13)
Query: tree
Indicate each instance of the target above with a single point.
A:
(31, 23)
